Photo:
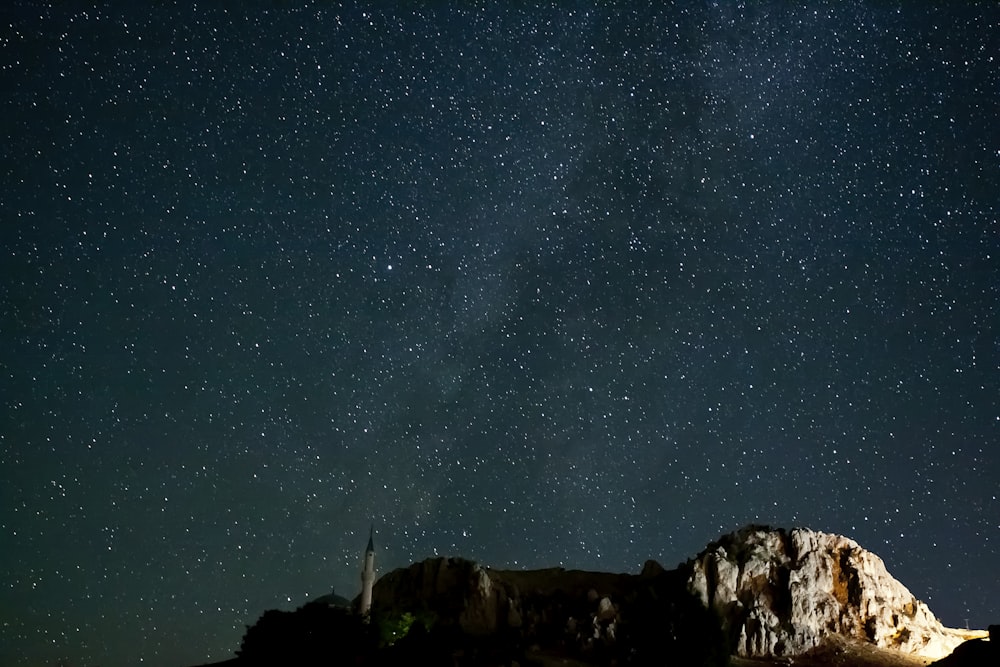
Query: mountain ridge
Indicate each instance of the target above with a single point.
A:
(777, 592)
(758, 593)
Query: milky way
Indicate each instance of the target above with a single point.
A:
(577, 285)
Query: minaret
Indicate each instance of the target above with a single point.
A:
(368, 575)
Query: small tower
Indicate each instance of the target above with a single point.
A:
(368, 575)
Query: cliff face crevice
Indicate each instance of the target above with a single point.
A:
(784, 592)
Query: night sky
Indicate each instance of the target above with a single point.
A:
(579, 284)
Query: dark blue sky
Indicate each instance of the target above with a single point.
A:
(559, 285)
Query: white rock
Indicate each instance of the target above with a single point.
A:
(605, 610)
(781, 593)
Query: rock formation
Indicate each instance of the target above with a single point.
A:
(456, 590)
(594, 616)
(775, 592)
(781, 593)
(483, 601)
(975, 652)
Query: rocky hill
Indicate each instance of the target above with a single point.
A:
(756, 594)
(776, 592)
(782, 593)
(553, 615)
(483, 601)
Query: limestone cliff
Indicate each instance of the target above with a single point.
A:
(781, 593)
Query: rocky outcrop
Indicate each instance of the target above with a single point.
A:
(482, 601)
(776, 592)
(594, 616)
(454, 589)
(781, 593)
(975, 652)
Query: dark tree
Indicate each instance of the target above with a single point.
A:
(316, 634)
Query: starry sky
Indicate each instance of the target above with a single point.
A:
(575, 283)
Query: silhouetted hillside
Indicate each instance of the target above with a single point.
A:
(761, 593)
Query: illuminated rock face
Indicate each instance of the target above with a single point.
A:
(782, 593)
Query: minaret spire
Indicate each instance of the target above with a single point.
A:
(368, 574)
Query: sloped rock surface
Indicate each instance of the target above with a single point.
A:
(781, 593)
(455, 589)
(975, 652)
